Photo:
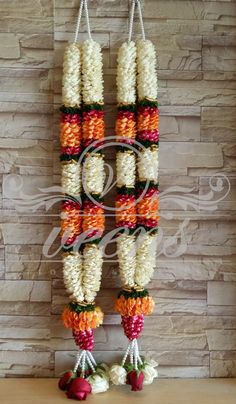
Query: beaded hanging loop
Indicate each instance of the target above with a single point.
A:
(82, 225)
(137, 197)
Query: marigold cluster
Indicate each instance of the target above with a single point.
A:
(82, 321)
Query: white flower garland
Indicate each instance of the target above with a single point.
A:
(82, 274)
(126, 161)
(127, 259)
(71, 178)
(71, 81)
(94, 173)
(126, 169)
(126, 74)
(93, 167)
(92, 72)
(92, 255)
(145, 259)
(147, 70)
(82, 82)
(147, 161)
(73, 276)
(148, 165)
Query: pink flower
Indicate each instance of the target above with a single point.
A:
(65, 380)
(79, 389)
(135, 379)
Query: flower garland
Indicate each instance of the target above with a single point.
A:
(137, 200)
(83, 175)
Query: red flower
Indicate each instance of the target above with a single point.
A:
(135, 379)
(64, 381)
(79, 389)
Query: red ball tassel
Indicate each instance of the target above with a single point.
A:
(133, 326)
(84, 339)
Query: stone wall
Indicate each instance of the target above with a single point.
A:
(193, 330)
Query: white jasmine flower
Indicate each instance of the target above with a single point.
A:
(72, 274)
(93, 174)
(92, 273)
(145, 259)
(71, 80)
(71, 178)
(92, 77)
(126, 169)
(147, 70)
(148, 165)
(127, 259)
(126, 73)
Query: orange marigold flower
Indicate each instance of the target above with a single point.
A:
(148, 121)
(93, 127)
(148, 207)
(70, 135)
(71, 223)
(134, 306)
(126, 127)
(82, 321)
(93, 218)
(125, 214)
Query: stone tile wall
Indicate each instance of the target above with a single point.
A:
(193, 330)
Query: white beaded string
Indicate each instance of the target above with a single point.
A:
(126, 355)
(135, 355)
(83, 3)
(79, 357)
(91, 358)
(137, 351)
(90, 363)
(131, 19)
(82, 357)
(132, 352)
(83, 362)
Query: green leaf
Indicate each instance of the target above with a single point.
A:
(148, 103)
(133, 294)
(129, 367)
(70, 110)
(129, 107)
(73, 306)
(140, 185)
(68, 157)
(90, 107)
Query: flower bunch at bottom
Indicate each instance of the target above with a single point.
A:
(87, 376)
(144, 374)
(133, 304)
(78, 385)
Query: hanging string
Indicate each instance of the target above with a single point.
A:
(131, 19)
(83, 4)
(141, 19)
(87, 18)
